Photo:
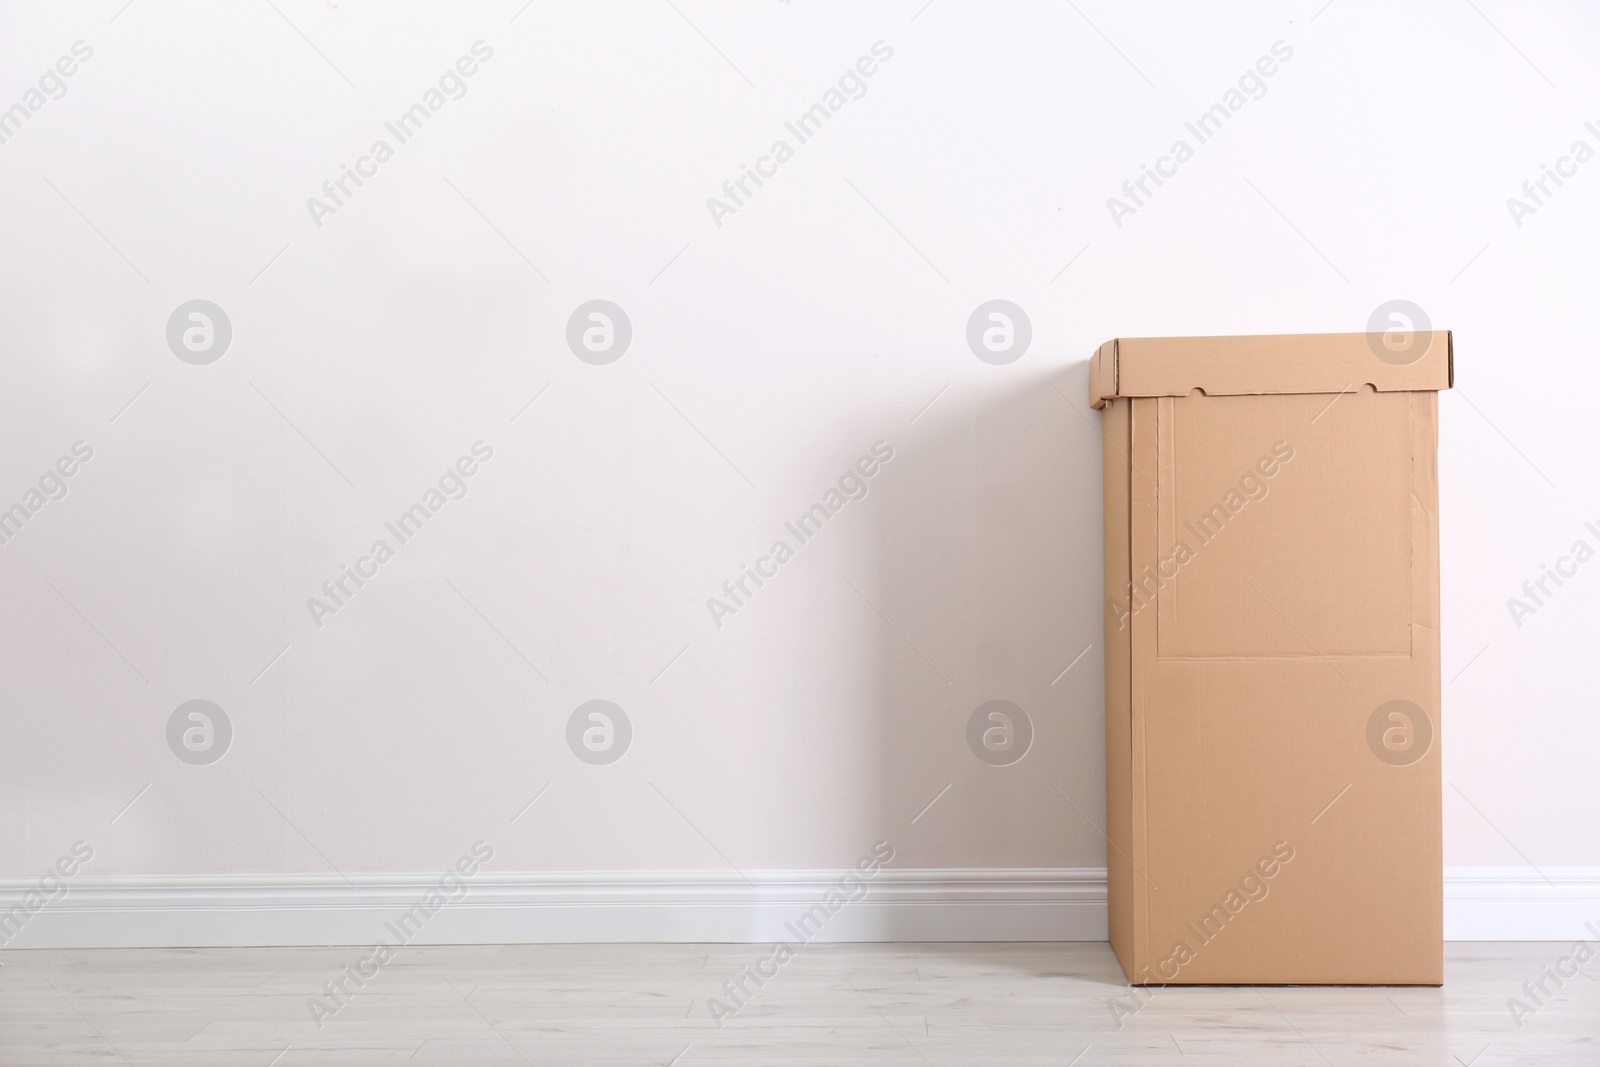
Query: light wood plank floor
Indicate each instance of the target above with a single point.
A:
(599, 1005)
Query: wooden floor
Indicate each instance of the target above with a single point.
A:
(941, 1005)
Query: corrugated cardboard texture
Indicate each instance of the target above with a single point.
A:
(1272, 584)
(1119, 742)
(1281, 363)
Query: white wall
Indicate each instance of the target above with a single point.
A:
(373, 346)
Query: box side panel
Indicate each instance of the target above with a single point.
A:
(1119, 772)
(1143, 497)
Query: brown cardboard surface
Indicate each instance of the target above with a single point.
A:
(1271, 559)
(1269, 363)
(1119, 741)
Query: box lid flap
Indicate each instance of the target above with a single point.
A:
(1422, 361)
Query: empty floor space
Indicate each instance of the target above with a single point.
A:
(947, 1005)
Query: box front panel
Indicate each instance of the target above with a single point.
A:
(1286, 635)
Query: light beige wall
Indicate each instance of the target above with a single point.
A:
(374, 345)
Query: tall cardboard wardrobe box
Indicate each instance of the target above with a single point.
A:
(1272, 657)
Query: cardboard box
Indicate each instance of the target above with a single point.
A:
(1272, 657)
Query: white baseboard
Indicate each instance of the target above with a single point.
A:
(1521, 904)
(687, 906)
(1015, 904)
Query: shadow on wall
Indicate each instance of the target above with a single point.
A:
(989, 587)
